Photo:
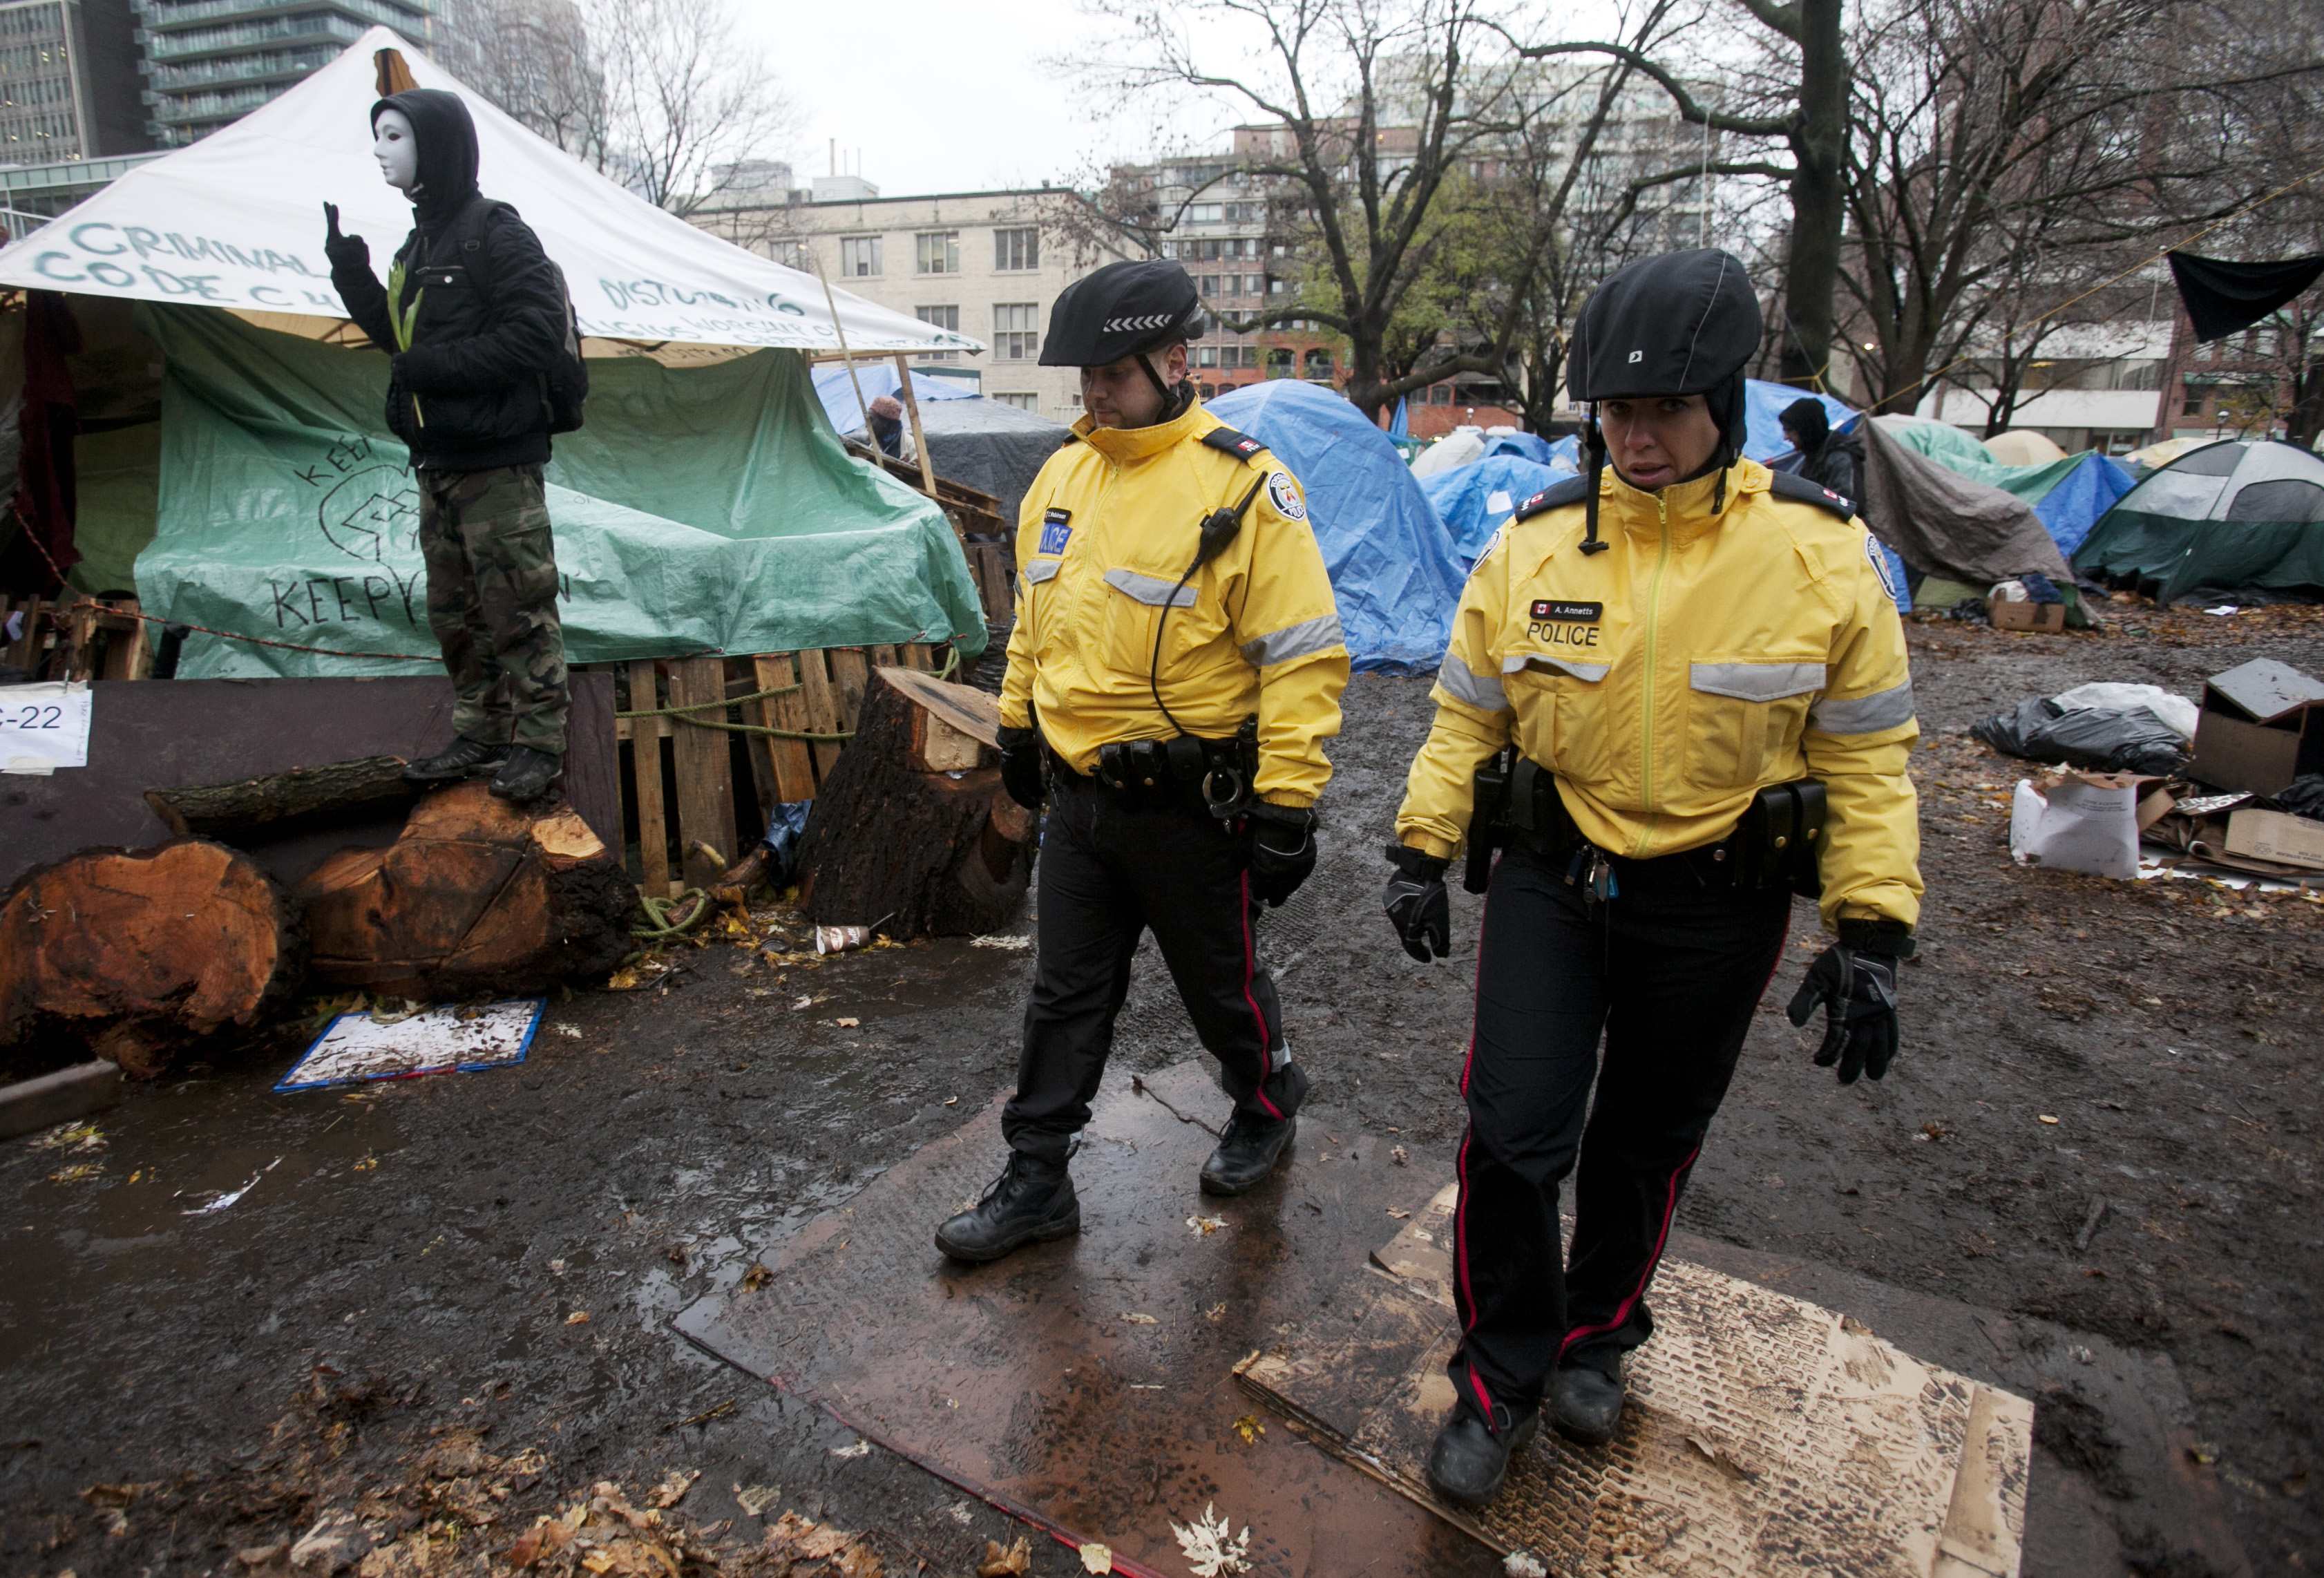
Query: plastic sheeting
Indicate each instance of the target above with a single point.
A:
(2098, 740)
(1392, 565)
(1473, 501)
(1944, 523)
(1455, 448)
(1763, 412)
(2068, 494)
(700, 509)
(836, 391)
(991, 448)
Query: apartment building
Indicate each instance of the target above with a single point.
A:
(68, 83)
(209, 62)
(986, 265)
(2094, 386)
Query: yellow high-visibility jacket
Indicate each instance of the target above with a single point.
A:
(1699, 658)
(1103, 536)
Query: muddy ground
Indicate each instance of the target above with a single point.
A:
(410, 1268)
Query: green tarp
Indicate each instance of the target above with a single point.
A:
(708, 508)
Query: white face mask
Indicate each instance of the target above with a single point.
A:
(396, 148)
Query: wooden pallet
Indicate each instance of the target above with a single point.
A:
(709, 802)
(78, 637)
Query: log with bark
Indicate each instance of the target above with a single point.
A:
(142, 956)
(216, 809)
(478, 898)
(912, 833)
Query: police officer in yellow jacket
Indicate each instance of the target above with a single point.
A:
(1684, 680)
(1176, 667)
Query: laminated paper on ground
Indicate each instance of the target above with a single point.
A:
(1764, 1434)
(355, 1047)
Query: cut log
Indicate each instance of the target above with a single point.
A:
(478, 898)
(209, 810)
(142, 956)
(911, 831)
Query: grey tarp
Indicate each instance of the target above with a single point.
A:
(1946, 525)
(991, 448)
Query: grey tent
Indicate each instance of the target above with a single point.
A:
(1947, 525)
(992, 448)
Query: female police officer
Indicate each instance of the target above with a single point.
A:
(1696, 661)
(1175, 668)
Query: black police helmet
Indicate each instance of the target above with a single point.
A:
(1683, 323)
(1122, 309)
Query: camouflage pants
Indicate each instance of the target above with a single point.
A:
(492, 601)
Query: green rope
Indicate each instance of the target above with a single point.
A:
(674, 710)
(660, 926)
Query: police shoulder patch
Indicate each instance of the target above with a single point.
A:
(1785, 485)
(1573, 490)
(1242, 445)
(1879, 558)
(1284, 494)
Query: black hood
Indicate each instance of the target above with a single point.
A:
(1810, 421)
(447, 149)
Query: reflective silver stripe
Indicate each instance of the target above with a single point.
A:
(1756, 681)
(1481, 691)
(1041, 570)
(1592, 672)
(1864, 715)
(1302, 640)
(1150, 590)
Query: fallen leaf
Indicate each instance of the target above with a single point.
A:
(579, 1317)
(572, 1030)
(1400, 1215)
(364, 1164)
(1096, 1558)
(1251, 1427)
(673, 1488)
(847, 1024)
(2047, 1119)
(1398, 1154)
(1212, 1550)
(1524, 1564)
(1012, 1563)
(71, 1137)
(1204, 1226)
(1216, 1313)
(802, 1003)
(756, 1277)
(859, 1450)
(78, 1172)
(1136, 1319)
(756, 1499)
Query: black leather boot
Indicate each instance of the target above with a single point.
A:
(1031, 1202)
(1471, 1460)
(463, 757)
(1247, 1151)
(527, 774)
(1586, 1404)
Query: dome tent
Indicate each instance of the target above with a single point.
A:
(2235, 513)
(1475, 500)
(1391, 561)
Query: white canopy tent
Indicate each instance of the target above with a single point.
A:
(236, 221)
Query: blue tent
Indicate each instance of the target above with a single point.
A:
(836, 391)
(1400, 425)
(1391, 561)
(1472, 501)
(2072, 507)
(1763, 408)
(1530, 447)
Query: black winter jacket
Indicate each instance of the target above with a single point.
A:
(490, 318)
(1838, 463)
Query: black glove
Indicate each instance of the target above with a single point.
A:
(1282, 849)
(1855, 980)
(345, 252)
(1416, 903)
(1022, 767)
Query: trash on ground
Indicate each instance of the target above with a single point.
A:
(356, 1046)
(1204, 1226)
(2262, 726)
(1013, 944)
(841, 939)
(2081, 821)
(2099, 739)
(2117, 696)
(221, 1201)
(861, 1449)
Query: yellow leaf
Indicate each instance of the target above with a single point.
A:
(1096, 1558)
(1251, 1427)
(579, 1317)
(1136, 1319)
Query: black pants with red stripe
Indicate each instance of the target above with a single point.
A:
(1668, 972)
(1109, 872)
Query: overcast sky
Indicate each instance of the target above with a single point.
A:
(941, 96)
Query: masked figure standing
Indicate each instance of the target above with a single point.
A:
(1175, 668)
(474, 318)
(1686, 677)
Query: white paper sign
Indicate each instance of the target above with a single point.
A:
(43, 728)
(1499, 503)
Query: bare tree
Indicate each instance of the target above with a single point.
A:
(535, 59)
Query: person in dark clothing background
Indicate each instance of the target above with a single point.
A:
(473, 318)
(1827, 459)
(888, 426)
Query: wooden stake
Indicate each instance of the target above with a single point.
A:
(645, 760)
(920, 439)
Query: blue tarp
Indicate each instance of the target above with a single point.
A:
(1391, 561)
(834, 388)
(1763, 408)
(1530, 447)
(1472, 501)
(2086, 493)
(1400, 427)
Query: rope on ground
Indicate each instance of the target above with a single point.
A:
(664, 919)
(675, 711)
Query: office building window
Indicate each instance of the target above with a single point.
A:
(1254, 284)
(1016, 249)
(1207, 286)
(939, 317)
(858, 256)
(1318, 363)
(794, 255)
(937, 252)
(1016, 331)
(1020, 401)
(1206, 355)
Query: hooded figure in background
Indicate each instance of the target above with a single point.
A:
(1827, 458)
(474, 318)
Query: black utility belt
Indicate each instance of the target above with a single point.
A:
(1214, 775)
(1776, 844)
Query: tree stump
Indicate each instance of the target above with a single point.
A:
(210, 810)
(912, 832)
(142, 956)
(478, 898)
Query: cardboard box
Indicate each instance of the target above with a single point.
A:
(2050, 618)
(2262, 726)
(2277, 835)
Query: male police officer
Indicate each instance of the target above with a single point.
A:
(1175, 668)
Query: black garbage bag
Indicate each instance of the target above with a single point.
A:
(2303, 796)
(2131, 740)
